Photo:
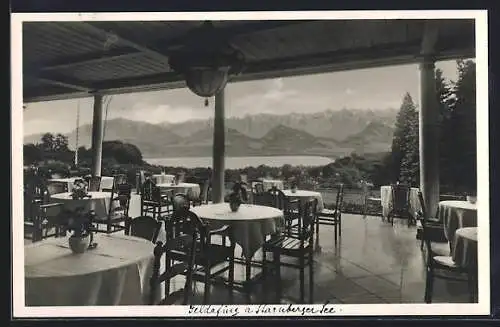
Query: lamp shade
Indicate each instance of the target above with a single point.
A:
(206, 81)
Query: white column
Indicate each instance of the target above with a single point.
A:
(97, 135)
(218, 150)
(429, 136)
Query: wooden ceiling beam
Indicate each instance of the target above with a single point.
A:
(150, 50)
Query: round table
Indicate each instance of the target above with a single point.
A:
(190, 189)
(115, 273)
(386, 200)
(99, 202)
(270, 183)
(251, 223)
(54, 184)
(163, 178)
(305, 195)
(464, 253)
(455, 215)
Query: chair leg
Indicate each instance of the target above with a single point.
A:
(206, 281)
(429, 284)
(335, 231)
(311, 278)
(231, 277)
(277, 266)
(302, 268)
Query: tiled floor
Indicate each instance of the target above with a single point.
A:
(374, 262)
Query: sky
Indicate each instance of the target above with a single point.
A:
(374, 88)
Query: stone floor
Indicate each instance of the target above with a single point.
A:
(373, 262)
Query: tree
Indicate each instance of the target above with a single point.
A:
(47, 142)
(405, 141)
(463, 124)
(445, 99)
(60, 143)
(31, 154)
(123, 153)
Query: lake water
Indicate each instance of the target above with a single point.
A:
(242, 162)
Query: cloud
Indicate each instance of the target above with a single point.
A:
(350, 91)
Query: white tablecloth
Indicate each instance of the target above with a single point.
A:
(305, 195)
(386, 200)
(117, 272)
(455, 215)
(190, 189)
(464, 252)
(67, 182)
(269, 183)
(163, 178)
(99, 202)
(107, 182)
(251, 223)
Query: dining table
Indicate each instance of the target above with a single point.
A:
(270, 183)
(115, 272)
(250, 224)
(61, 185)
(456, 214)
(97, 201)
(304, 196)
(163, 178)
(464, 252)
(192, 190)
(387, 201)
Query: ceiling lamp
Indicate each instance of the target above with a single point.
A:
(206, 66)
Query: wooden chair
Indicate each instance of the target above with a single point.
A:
(442, 266)
(332, 217)
(186, 230)
(203, 199)
(369, 198)
(117, 218)
(258, 187)
(144, 227)
(57, 187)
(153, 202)
(47, 221)
(117, 180)
(434, 227)
(300, 247)
(209, 256)
(400, 207)
(94, 183)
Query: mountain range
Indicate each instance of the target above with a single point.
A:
(328, 133)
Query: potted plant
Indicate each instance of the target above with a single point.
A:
(237, 196)
(80, 223)
(293, 186)
(79, 190)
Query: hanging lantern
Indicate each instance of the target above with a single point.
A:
(206, 81)
(206, 69)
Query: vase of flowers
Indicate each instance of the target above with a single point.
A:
(79, 190)
(237, 197)
(293, 187)
(80, 223)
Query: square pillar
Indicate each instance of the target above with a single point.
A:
(97, 135)
(429, 137)
(218, 150)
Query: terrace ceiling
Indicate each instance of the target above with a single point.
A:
(64, 60)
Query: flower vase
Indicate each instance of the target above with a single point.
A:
(294, 189)
(234, 205)
(79, 244)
